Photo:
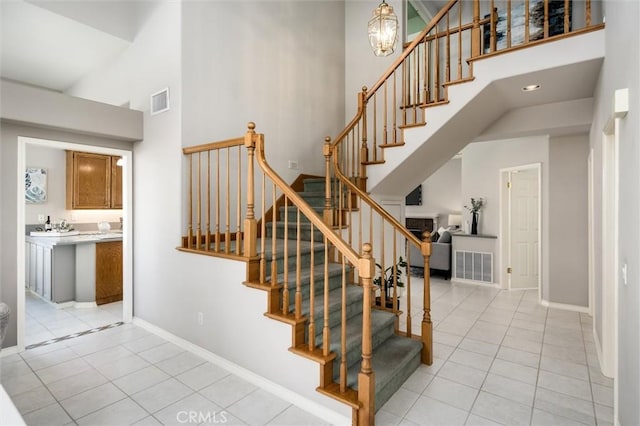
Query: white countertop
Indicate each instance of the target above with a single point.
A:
(79, 238)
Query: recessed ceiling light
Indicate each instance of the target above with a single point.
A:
(531, 88)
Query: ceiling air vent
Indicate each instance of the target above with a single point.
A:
(160, 101)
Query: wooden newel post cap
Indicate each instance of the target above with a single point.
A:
(367, 264)
(326, 148)
(425, 246)
(251, 126)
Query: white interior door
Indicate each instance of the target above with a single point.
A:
(524, 229)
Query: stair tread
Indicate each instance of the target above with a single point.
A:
(354, 295)
(305, 273)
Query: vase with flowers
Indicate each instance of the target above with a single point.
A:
(476, 205)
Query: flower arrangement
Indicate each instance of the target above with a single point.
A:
(476, 205)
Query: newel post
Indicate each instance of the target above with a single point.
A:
(328, 211)
(427, 325)
(366, 377)
(250, 223)
(364, 149)
(475, 32)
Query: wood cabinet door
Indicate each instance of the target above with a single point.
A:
(116, 184)
(91, 180)
(108, 272)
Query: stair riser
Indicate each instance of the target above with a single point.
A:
(335, 281)
(292, 234)
(354, 308)
(354, 352)
(315, 201)
(305, 262)
(292, 215)
(385, 393)
(314, 185)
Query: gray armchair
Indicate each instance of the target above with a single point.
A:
(440, 260)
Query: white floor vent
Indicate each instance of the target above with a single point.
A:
(474, 266)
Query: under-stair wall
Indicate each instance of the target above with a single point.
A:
(478, 104)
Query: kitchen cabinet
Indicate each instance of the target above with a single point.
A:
(94, 181)
(49, 271)
(108, 272)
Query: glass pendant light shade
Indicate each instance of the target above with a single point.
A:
(383, 30)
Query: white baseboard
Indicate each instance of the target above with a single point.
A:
(9, 414)
(566, 307)
(598, 346)
(85, 305)
(472, 282)
(8, 351)
(274, 388)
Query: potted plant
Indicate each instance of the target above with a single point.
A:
(476, 205)
(386, 280)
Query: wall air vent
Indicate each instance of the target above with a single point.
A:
(160, 101)
(474, 266)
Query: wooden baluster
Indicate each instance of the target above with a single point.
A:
(227, 234)
(250, 223)
(343, 330)
(328, 211)
(546, 19)
(527, 36)
(404, 93)
(312, 297)
(207, 241)
(436, 83)
(416, 85)
(274, 231)
(476, 34)
(427, 325)
(326, 336)
(448, 52)
(239, 204)
(492, 27)
(460, 40)
(190, 230)
(298, 296)
(285, 291)
(394, 298)
(566, 17)
(199, 205)
(588, 13)
(395, 110)
(364, 151)
(425, 52)
(348, 217)
(383, 283)
(263, 233)
(217, 236)
(366, 377)
(374, 118)
(408, 257)
(385, 138)
(508, 23)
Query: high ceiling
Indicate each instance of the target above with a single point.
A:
(54, 44)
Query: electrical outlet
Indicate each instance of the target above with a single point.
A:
(200, 318)
(293, 164)
(41, 218)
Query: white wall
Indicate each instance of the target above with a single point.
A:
(283, 70)
(568, 231)
(621, 70)
(441, 193)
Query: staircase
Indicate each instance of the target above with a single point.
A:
(394, 357)
(318, 248)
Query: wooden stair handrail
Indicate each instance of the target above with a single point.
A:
(317, 221)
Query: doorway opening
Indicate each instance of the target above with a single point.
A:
(520, 220)
(123, 310)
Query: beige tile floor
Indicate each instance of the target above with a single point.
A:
(500, 358)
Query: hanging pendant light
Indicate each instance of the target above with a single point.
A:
(383, 30)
